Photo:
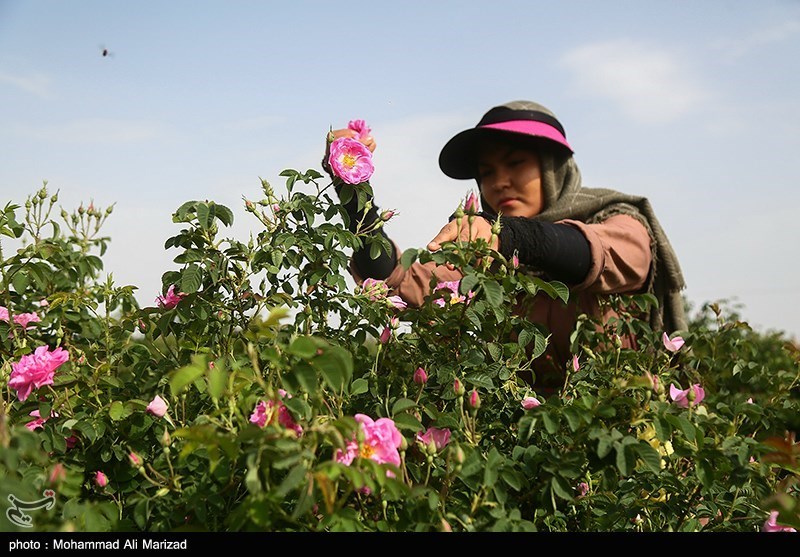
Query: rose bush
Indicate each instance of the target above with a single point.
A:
(262, 391)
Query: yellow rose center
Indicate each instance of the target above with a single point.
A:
(349, 160)
(367, 451)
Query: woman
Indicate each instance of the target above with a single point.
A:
(597, 241)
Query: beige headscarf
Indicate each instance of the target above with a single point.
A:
(565, 198)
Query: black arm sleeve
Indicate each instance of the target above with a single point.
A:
(381, 267)
(559, 250)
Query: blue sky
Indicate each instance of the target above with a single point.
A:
(695, 105)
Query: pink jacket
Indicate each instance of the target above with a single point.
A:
(621, 258)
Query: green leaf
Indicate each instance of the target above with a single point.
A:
(606, 411)
(473, 358)
(20, 281)
(562, 291)
(304, 347)
(525, 336)
(550, 423)
(185, 376)
(359, 386)
(494, 461)
(336, 365)
(494, 293)
(375, 250)
(87, 430)
(468, 283)
(203, 212)
(539, 346)
(217, 382)
(346, 193)
(116, 410)
(622, 459)
(305, 376)
(527, 427)
(705, 472)
(480, 379)
(224, 214)
(191, 279)
(183, 211)
(561, 488)
(663, 430)
(275, 315)
(299, 407)
(574, 418)
(684, 425)
(408, 257)
(495, 351)
(408, 422)
(402, 404)
(293, 479)
(512, 478)
(604, 446)
(649, 455)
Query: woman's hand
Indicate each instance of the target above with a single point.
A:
(368, 141)
(480, 228)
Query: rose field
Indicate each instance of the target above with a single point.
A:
(262, 390)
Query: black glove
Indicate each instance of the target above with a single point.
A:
(560, 251)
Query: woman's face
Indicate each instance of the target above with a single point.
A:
(510, 179)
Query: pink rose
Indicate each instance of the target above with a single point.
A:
(474, 400)
(71, 441)
(374, 289)
(452, 286)
(381, 441)
(530, 402)
(57, 474)
(350, 160)
(771, 525)
(420, 376)
(471, 206)
(360, 127)
(22, 319)
(100, 479)
(36, 370)
(386, 216)
(681, 398)
(37, 423)
(672, 345)
(396, 302)
(170, 299)
(264, 413)
(654, 382)
(439, 437)
(157, 407)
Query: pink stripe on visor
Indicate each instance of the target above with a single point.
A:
(530, 127)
